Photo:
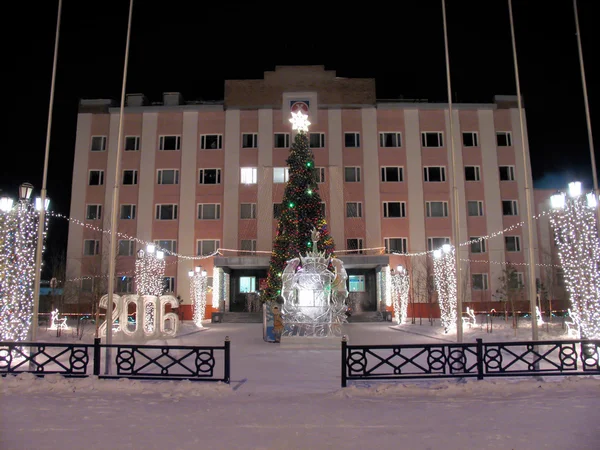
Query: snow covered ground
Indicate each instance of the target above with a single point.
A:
(284, 397)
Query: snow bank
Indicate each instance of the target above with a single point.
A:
(27, 383)
(469, 387)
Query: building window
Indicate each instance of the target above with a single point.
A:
(396, 245)
(98, 143)
(248, 175)
(248, 211)
(209, 211)
(353, 209)
(169, 143)
(93, 212)
(281, 140)
(509, 208)
(91, 247)
(475, 208)
(478, 245)
(351, 140)
(211, 141)
(248, 245)
(322, 208)
(247, 285)
(355, 244)
(392, 174)
(351, 174)
(130, 177)
(124, 285)
(169, 284)
(87, 285)
(277, 210)
(168, 245)
(390, 139)
(434, 174)
(479, 281)
(472, 173)
(470, 139)
(320, 174)
(394, 209)
(168, 176)
(209, 176)
(512, 243)
(96, 178)
(249, 140)
(356, 283)
(436, 209)
(433, 243)
(126, 248)
(560, 277)
(132, 143)
(317, 140)
(520, 279)
(127, 212)
(166, 212)
(432, 139)
(507, 173)
(503, 138)
(281, 175)
(207, 246)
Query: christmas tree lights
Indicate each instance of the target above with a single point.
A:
(18, 241)
(400, 290)
(198, 285)
(301, 211)
(576, 232)
(445, 284)
(149, 275)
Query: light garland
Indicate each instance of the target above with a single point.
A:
(198, 285)
(400, 290)
(507, 263)
(149, 274)
(18, 242)
(445, 283)
(576, 232)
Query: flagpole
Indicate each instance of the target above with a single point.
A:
(115, 204)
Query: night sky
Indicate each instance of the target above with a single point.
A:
(177, 46)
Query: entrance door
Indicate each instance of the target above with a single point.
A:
(362, 290)
(245, 285)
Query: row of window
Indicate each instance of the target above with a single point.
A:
(124, 284)
(431, 139)
(249, 175)
(204, 247)
(212, 211)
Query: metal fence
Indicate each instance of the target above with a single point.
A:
(149, 362)
(476, 360)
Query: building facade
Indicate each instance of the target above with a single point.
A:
(200, 176)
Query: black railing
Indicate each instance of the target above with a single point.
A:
(150, 362)
(476, 360)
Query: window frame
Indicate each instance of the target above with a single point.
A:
(168, 286)
(130, 250)
(485, 286)
(172, 248)
(136, 146)
(475, 137)
(253, 140)
(97, 207)
(134, 177)
(517, 241)
(216, 242)
(203, 141)
(480, 243)
(202, 175)
(360, 246)
(96, 247)
(480, 208)
(357, 177)
(440, 139)
(286, 140)
(514, 207)
(355, 135)
(430, 239)
(362, 281)
(286, 174)
(404, 244)
(104, 140)
(101, 177)
(322, 141)
(200, 211)
(358, 209)
(510, 172)
(254, 175)
(160, 176)
(428, 209)
(399, 169)
(426, 174)
(252, 245)
(386, 210)
(132, 209)
(508, 137)
(252, 211)
(320, 177)
(397, 136)
(477, 173)
(161, 142)
(158, 210)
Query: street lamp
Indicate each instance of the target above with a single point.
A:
(25, 191)
(573, 219)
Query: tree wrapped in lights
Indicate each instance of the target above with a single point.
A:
(149, 279)
(301, 211)
(18, 242)
(576, 232)
(445, 285)
(400, 289)
(198, 285)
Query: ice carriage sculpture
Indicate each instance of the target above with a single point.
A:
(314, 294)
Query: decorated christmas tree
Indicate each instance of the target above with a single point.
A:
(301, 210)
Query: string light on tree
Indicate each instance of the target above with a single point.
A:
(198, 286)
(445, 283)
(18, 242)
(400, 290)
(149, 279)
(574, 220)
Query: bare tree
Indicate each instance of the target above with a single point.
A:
(510, 290)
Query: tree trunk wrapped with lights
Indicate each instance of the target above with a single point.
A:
(301, 211)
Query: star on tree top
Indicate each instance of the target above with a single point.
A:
(299, 121)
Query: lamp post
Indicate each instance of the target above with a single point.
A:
(574, 222)
(198, 284)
